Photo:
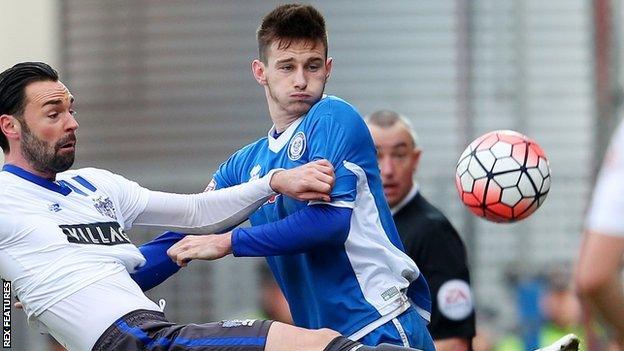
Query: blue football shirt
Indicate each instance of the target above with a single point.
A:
(351, 286)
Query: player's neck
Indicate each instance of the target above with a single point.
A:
(281, 127)
(283, 120)
(17, 160)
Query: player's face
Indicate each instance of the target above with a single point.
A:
(397, 159)
(294, 77)
(48, 139)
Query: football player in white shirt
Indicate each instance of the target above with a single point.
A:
(63, 241)
(599, 270)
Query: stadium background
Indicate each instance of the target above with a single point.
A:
(164, 94)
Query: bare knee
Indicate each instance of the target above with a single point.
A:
(284, 337)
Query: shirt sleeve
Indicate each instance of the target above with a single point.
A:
(607, 206)
(339, 135)
(303, 230)
(208, 212)
(229, 172)
(158, 266)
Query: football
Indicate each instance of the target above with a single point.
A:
(503, 176)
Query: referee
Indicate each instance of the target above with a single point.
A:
(429, 238)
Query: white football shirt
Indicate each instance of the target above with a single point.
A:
(607, 206)
(63, 243)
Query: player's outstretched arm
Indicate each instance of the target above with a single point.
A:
(215, 211)
(314, 225)
(201, 247)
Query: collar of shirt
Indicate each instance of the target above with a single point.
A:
(412, 193)
(33, 178)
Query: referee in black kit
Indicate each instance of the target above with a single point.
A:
(429, 238)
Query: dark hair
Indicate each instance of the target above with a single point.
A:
(288, 23)
(13, 84)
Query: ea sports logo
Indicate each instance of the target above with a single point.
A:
(297, 146)
(455, 299)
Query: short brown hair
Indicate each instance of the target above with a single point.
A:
(288, 23)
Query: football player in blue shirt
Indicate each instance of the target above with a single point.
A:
(341, 263)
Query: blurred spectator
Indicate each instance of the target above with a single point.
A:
(485, 338)
(561, 308)
(560, 314)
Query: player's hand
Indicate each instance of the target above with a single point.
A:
(312, 181)
(201, 247)
(18, 306)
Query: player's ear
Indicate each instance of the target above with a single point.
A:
(10, 126)
(328, 67)
(258, 70)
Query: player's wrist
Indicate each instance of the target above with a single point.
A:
(227, 243)
(276, 179)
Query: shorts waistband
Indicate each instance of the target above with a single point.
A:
(133, 319)
(405, 305)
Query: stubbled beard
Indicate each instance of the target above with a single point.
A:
(44, 158)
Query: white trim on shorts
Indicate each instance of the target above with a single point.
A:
(379, 322)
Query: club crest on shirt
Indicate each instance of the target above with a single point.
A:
(105, 206)
(297, 146)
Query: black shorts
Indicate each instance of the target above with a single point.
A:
(150, 330)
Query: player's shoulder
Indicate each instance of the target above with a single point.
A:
(6, 182)
(332, 109)
(249, 150)
(235, 165)
(90, 173)
(15, 193)
(94, 178)
(254, 146)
